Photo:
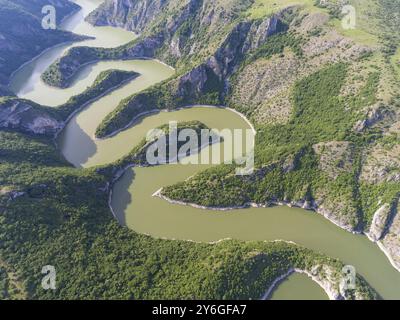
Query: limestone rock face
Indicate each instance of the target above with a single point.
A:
(379, 222)
(24, 117)
(128, 14)
(391, 241)
(374, 114)
(381, 164)
(329, 278)
(244, 36)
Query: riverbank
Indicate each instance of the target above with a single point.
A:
(302, 205)
(40, 56)
(388, 255)
(124, 170)
(326, 286)
(155, 111)
(87, 103)
(77, 38)
(381, 245)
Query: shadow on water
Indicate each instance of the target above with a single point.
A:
(122, 197)
(76, 142)
(298, 287)
(25, 79)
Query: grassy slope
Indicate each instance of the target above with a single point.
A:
(326, 116)
(316, 118)
(262, 8)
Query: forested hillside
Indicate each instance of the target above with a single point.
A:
(21, 34)
(221, 49)
(326, 106)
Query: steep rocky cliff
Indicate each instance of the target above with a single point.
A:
(27, 117)
(208, 82)
(189, 30)
(131, 15)
(391, 236)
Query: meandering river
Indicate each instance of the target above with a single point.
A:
(132, 199)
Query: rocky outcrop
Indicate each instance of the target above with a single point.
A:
(64, 7)
(390, 244)
(379, 222)
(374, 115)
(269, 101)
(338, 213)
(27, 117)
(328, 278)
(244, 37)
(11, 192)
(146, 48)
(128, 14)
(381, 164)
(169, 41)
(213, 75)
(61, 72)
(16, 194)
(206, 83)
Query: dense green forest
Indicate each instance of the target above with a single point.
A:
(61, 217)
(52, 213)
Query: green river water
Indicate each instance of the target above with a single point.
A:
(132, 199)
